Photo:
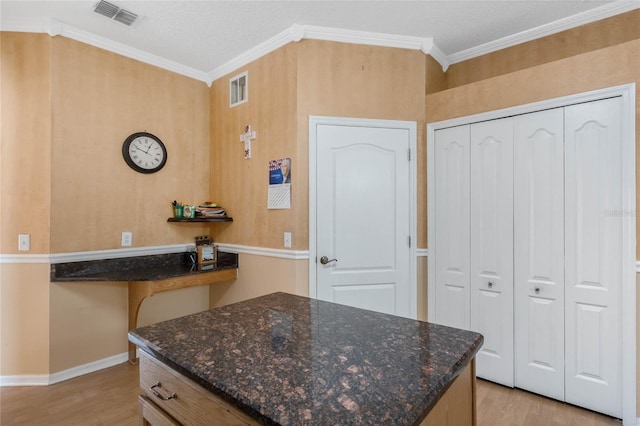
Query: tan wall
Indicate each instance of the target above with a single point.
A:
(25, 132)
(25, 129)
(260, 275)
(88, 321)
(349, 80)
(598, 69)
(286, 87)
(422, 288)
(98, 99)
(240, 185)
(24, 313)
(66, 109)
(586, 38)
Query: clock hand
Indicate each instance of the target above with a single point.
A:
(148, 148)
(146, 152)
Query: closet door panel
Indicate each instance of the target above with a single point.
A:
(593, 187)
(539, 252)
(491, 241)
(452, 226)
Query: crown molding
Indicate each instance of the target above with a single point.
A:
(268, 46)
(296, 32)
(437, 54)
(593, 15)
(363, 37)
(424, 44)
(56, 28)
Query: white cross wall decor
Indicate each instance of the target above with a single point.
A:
(246, 138)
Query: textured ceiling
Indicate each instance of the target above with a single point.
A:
(204, 35)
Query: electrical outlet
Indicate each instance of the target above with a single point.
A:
(127, 238)
(24, 242)
(287, 239)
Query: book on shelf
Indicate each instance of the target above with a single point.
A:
(210, 211)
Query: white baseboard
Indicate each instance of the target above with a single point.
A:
(61, 376)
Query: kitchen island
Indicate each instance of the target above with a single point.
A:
(290, 360)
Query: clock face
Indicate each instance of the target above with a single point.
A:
(144, 152)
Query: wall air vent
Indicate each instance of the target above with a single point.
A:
(114, 12)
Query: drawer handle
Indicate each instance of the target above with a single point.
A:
(159, 395)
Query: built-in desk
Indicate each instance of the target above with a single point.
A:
(148, 275)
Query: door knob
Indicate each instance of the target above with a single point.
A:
(490, 284)
(324, 260)
(537, 290)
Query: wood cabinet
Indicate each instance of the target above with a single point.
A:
(152, 415)
(182, 400)
(169, 398)
(457, 406)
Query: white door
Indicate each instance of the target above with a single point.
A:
(452, 226)
(491, 244)
(363, 217)
(539, 252)
(594, 242)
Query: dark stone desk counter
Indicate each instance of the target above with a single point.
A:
(292, 360)
(138, 268)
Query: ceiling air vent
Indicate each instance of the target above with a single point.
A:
(114, 12)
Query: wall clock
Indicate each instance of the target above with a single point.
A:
(144, 152)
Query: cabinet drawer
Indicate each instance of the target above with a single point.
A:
(151, 415)
(192, 404)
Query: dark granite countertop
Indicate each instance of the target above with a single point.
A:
(291, 360)
(138, 268)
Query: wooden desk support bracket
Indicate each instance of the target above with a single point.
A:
(140, 290)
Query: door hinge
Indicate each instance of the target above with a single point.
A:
(409, 154)
(409, 240)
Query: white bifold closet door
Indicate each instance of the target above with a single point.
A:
(529, 248)
(452, 225)
(593, 227)
(539, 252)
(491, 244)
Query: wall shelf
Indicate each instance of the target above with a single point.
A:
(201, 219)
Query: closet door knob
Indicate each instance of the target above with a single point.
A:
(490, 284)
(537, 290)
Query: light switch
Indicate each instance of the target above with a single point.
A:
(287, 239)
(24, 242)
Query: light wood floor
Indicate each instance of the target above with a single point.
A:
(502, 406)
(109, 397)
